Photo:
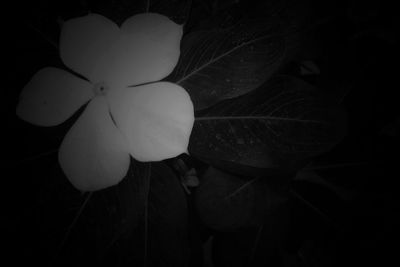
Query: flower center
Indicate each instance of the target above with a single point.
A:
(100, 88)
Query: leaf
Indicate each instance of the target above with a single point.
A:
(277, 126)
(71, 227)
(226, 202)
(320, 196)
(145, 215)
(308, 67)
(224, 63)
(258, 246)
(167, 218)
(114, 213)
(159, 238)
(313, 177)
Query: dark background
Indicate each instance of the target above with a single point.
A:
(354, 43)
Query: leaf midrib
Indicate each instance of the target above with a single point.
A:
(219, 57)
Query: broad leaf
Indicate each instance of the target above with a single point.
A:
(167, 217)
(278, 126)
(225, 63)
(310, 176)
(226, 202)
(321, 196)
(146, 214)
(114, 213)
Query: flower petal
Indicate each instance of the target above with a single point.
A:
(85, 41)
(148, 50)
(93, 154)
(52, 96)
(156, 119)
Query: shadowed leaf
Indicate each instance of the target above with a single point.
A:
(225, 63)
(155, 223)
(226, 202)
(313, 177)
(277, 126)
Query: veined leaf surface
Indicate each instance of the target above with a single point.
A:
(276, 126)
(224, 63)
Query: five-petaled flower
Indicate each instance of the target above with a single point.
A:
(129, 112)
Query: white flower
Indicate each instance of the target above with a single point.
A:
(129, 113)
